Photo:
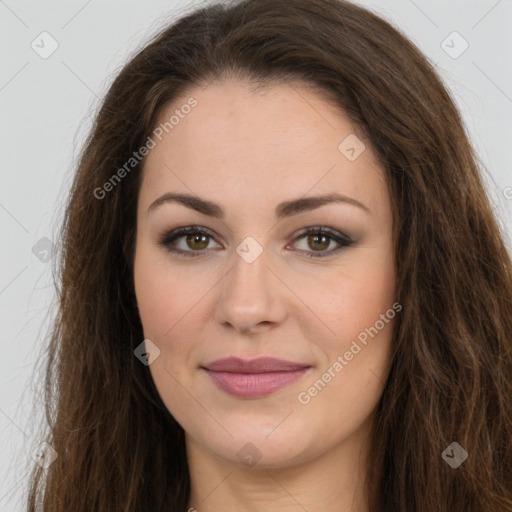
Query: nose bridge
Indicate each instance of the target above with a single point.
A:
(250, 267)
(249, 295)
(248, 279)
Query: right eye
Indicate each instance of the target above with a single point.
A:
(195, 238)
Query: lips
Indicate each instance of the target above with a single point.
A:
(254, 378)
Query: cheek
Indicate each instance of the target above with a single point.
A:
(356, 358)
(357, 354)
(172, 311)
(163, 304)
(163, 297)
(370, 294)
(355, 298)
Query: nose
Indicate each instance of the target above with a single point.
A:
(251, 296)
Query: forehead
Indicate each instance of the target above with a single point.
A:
(283, 141)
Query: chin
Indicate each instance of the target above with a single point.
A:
(258, 444)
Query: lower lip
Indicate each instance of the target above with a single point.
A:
(254, 385)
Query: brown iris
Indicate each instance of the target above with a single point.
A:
(192, 239)
(312, 239)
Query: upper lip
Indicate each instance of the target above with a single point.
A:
(259, 365)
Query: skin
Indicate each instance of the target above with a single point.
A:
(248, 152)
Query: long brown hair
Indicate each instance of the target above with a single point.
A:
(119, 448)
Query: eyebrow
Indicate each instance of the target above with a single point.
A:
(284, 209)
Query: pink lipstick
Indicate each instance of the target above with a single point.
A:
(254, 378)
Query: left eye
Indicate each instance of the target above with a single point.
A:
(320, 240)
(321, 237)
(197, 239)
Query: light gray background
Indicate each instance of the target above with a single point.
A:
(47, 107)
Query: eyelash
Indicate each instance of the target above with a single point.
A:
(340, 238)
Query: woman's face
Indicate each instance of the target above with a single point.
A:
(256, 285)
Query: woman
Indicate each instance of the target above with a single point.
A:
(282, 285)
